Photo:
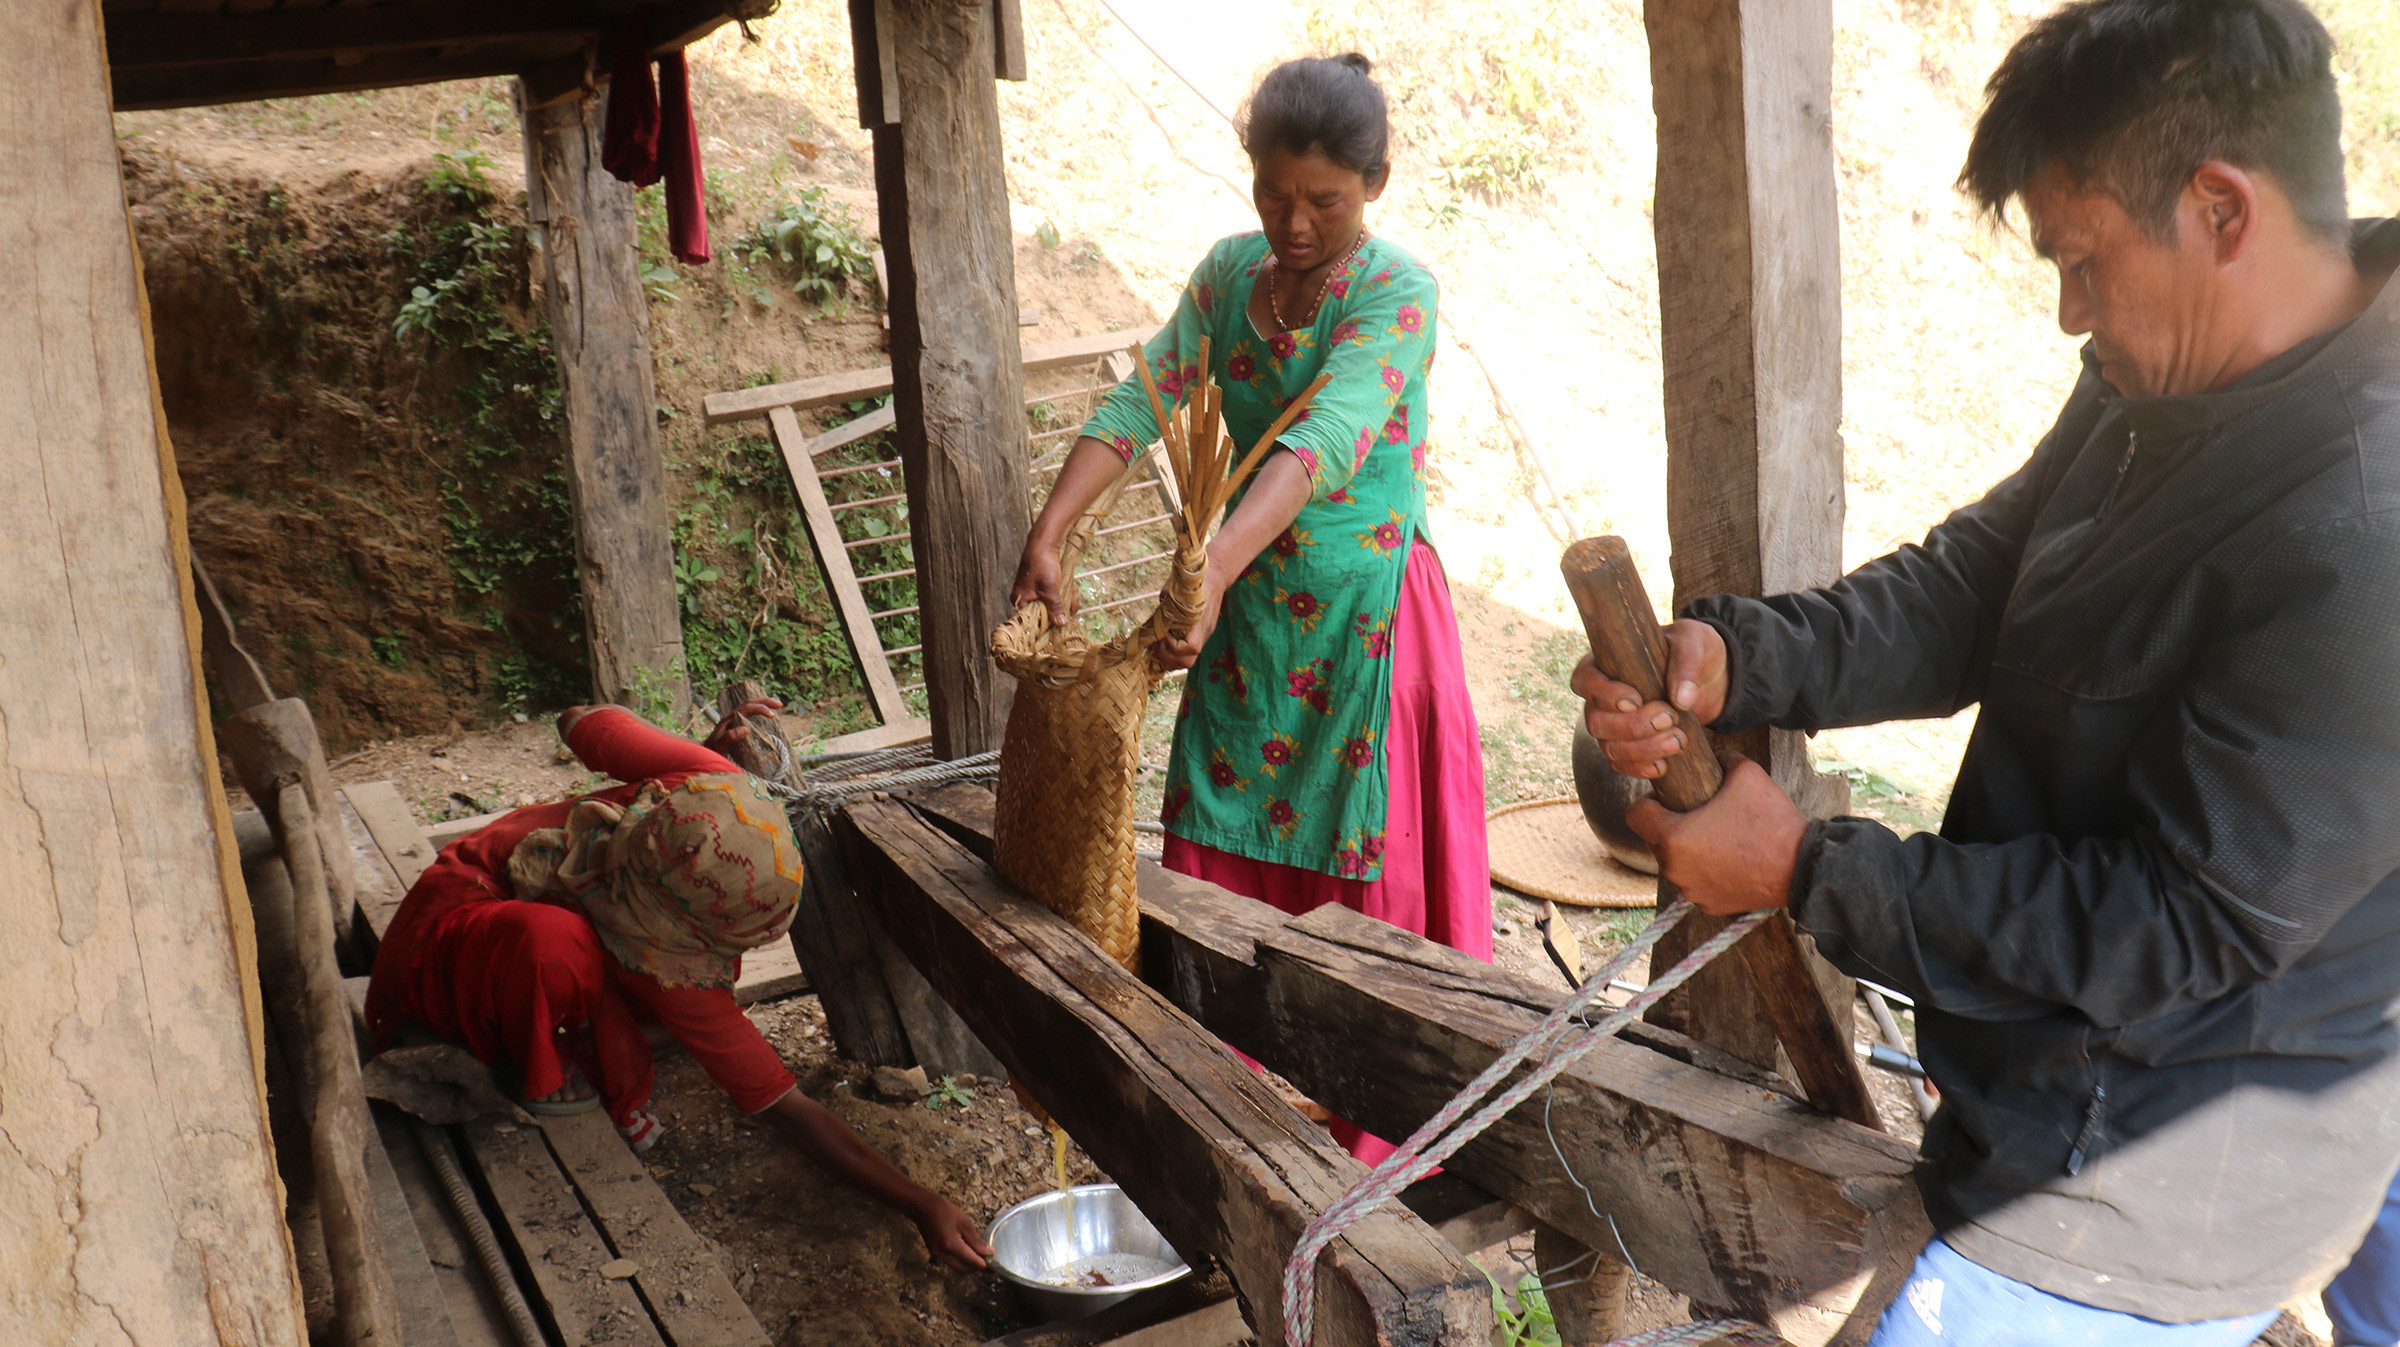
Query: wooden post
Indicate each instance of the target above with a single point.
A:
(1750, 328)
(600, 326)
(925, 90)
(138, 1196)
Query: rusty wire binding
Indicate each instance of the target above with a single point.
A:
(1063, 820)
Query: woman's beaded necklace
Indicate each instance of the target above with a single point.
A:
(1275, 306)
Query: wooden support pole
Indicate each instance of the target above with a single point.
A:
(276, 739)
(1749, 279)
(1213, 1156)
(138, 1195)
(600, 327)
(942, 196)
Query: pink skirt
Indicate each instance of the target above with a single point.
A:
(1437, 874)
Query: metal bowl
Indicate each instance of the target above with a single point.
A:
(1032, 1238)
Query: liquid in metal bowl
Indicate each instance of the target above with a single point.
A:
(1031, 1240)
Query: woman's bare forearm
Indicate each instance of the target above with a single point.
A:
(1091, 465)
(1276, 494)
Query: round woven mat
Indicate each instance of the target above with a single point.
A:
(1545, 849)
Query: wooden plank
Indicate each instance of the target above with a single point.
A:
(770, 973)
(234, 675)
(1008, 40)
(139, 1202)
(394, 829)
(837, 949)
(833, 559)
(881, 737)
(600, 326)
(474, 1311)
(564, 1254)
(802, 394)
(170, 40)
(275, 740)
(1212, 1154)
(424, 1310)
(1750, 332)
(1730, 1194)
(440, 835)
(379, 889)
(676, 1273)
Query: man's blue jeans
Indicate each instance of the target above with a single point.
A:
(1951, 1302)
(2364, 1302)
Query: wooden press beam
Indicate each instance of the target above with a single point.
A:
(139, 1201)
(1212, 1155)
(942, 195)
(1750, 330)
(1722, 1190)
(600, 326)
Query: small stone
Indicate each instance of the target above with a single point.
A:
(903, 1086)
(704, 1190)
(618, 1269)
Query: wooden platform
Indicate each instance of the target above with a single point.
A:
(607, 1256)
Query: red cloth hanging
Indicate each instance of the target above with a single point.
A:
(629, 141)
(679, 162)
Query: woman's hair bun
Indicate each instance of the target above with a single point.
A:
(1356, 61)
(1328, 105)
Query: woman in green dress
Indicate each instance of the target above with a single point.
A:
(1326, 750)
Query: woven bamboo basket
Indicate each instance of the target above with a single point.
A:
(1063, 824)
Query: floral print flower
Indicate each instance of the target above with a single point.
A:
(1375, 638)
(1307, 457)
(1172, 382)
(1205, 298)
(1277, 752)
(1178, 800)
(1357, 752)
(1393, 379)
(1302, 605)
(1344, 331)
(1281, 345)
(1232, 676)
(1241, 368)
(1313, 683)
(1288, 546)
(1395, 431)
(1412, 319)
(1283, 816)
(1384, 537)
(1360, 854)
(1221, 773)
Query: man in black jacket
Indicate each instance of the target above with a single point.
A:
(2156, 947)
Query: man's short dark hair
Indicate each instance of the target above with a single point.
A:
(2130, 97)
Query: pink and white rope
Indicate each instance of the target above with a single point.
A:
(1434, 1142)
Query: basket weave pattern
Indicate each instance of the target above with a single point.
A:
(1063, 818)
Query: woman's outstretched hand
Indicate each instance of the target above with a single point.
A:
(731, 730)
(951, 1236)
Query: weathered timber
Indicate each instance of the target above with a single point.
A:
(1193, 1312)
(1589, 1307)
(1629, 646)
(837, 948)
(131, 1057)
(676, 1273)
(1212, 1155)
(474, 1310)
(600, 325)
(1750, 334)
(275, 742)
(424, 1312)
(379, 888)
(560, 1249)
(957, 386)
(1729, 1193)
(833, 559)
(340, 1131)
(234, 675)
(404, 845)
(802, 394)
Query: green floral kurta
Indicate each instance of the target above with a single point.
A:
(1279, 746)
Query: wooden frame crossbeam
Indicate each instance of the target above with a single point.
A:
(802, 394)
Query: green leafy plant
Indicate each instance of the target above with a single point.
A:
(656, 695)
(1046, 233)
(947, 1092)
(691, 572)
(464, 177)
(815, 243)
(1870, 782)
(388, 652)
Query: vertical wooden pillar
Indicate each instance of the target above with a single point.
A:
(1750, 328)
(925, 89)
(600, 326)
(138, 1196)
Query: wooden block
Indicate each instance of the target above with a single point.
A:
(544, 1217)
(1216, 1159)
(881, 737)
(441, 835)
(835, 947)
(1195, 1312)
(394, 829)
(676, 1273)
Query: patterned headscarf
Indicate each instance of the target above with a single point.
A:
(678, 882)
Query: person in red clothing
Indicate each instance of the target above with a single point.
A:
(547, 940)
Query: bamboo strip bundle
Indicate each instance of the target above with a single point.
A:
(1063, 823)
